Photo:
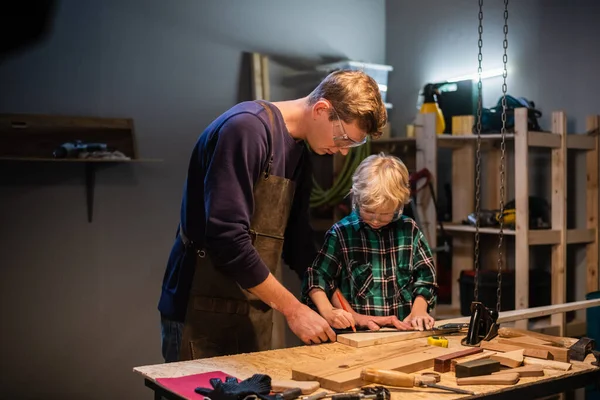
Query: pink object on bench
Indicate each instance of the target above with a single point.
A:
(184, 386)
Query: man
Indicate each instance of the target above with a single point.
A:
(245, 204)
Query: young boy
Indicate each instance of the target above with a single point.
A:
(376, 258)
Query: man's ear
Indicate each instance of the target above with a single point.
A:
(320, 107)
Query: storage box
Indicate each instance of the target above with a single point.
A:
(379, 72)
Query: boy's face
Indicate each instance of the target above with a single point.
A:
(330, 137)
(380, 216)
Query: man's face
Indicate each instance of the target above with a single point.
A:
(330, 137)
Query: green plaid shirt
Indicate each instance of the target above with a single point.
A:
(380, 272)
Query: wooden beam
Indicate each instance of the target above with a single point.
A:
(593, 123)
(463, 201)
(369, 339)
(522, 213)
(559, 218)
(426, 143)
(544, 139)
(581, 141)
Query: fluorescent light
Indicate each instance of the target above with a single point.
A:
(474, 77)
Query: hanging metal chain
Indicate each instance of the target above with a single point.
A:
(502, 158)
(478, 165)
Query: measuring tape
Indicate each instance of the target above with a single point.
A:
(437, 341)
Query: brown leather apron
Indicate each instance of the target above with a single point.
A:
(222, 318)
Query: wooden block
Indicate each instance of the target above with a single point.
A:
(525, 371)
(477, 367)
(537, 353)
(529, 339)
(498, 347)
(502, 379)
(481, 356)
(507, 333)
(281, 385)
(343, 373)
(547, 364)
(503, 348)
(558, 353)
(442, 364)
(511, 359)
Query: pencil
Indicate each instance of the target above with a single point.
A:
(339, 296)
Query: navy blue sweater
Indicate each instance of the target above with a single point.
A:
(218, 200)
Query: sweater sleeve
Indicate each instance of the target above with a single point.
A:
(239, 154)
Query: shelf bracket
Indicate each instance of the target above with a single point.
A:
(90, 183)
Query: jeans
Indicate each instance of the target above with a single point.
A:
(171, 332)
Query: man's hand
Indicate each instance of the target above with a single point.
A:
(375, 323)
(309, 326)
(339, 319)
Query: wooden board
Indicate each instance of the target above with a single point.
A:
(342, 374)
(365, 339)
(503, 348)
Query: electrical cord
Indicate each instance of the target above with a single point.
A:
(341, 186)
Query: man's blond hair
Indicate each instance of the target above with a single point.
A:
(380, 179)
(356, 98)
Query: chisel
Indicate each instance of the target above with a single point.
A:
(400, 379)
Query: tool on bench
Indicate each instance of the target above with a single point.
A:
(437, 341)
(581, 349)
(371, 392)
(400, 379)
(446, 329)
(482, 325)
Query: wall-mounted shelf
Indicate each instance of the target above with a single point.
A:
(33, 138)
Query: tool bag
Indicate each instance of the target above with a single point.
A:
(491, 118)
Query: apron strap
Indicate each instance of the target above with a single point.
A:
(270, 134)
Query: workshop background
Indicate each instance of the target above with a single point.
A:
(78, 299)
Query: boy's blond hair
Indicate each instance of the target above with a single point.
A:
(380, 179)
(356, 98)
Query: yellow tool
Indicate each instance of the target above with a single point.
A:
(437, 341)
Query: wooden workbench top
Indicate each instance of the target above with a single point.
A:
(278, 364)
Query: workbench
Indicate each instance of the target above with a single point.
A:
(278, 364)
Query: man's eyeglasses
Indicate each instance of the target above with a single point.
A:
(342, 139)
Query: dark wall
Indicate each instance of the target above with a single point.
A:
(78, 300)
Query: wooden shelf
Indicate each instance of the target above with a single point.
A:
(534, 139)
(34, 138)
(463, 201)
(536, 236)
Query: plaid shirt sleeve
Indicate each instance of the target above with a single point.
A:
(326, 267)
(423, 270)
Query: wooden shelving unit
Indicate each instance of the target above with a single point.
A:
(33, 138)
(463, 145)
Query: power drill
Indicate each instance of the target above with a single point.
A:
(72, 149)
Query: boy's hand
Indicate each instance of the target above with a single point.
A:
(375, 323)
(339, 319)
(420, 320)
